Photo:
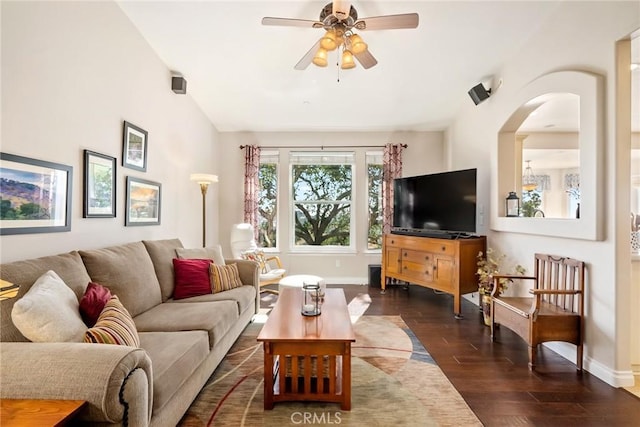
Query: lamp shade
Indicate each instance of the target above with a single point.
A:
(357, 44)
(203, 178)
(320, 59)
(528, 179)
(347, 60)
(328, 41)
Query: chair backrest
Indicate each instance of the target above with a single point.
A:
(242, 239)
(564, 274)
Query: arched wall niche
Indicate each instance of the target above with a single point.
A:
(506, 177)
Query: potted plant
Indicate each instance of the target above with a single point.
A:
(490, 264)
(531, 202)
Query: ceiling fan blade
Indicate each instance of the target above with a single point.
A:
(388, 22)
(366, 59)
(289, 22)
(308, 57)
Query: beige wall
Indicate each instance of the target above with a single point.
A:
(474, 134)
(71, 73)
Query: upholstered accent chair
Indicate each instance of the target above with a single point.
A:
(243, 245)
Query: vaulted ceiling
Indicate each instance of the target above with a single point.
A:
(241, 72)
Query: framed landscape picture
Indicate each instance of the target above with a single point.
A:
(35, 195)
(143, 202)
(99, 185)
(134, 147)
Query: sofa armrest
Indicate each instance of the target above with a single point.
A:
(249, 275)
(116, 381)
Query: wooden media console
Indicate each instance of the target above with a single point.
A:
(441, 264)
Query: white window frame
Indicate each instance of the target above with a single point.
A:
(377, 159)
(273, 157)
(297, 158)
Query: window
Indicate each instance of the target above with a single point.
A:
(322, 195)
(374, 200)
(268, 200)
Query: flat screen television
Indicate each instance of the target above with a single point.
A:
(437, 205)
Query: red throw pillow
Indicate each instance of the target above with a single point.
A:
(192, 277)
(92, 303)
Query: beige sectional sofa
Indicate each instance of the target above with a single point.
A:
(181, 341)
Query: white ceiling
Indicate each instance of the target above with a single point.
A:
(241, 73)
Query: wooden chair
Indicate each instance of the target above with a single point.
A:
(554, 312)
(271, 272)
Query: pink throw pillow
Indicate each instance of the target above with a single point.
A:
(92, 303)
(192, 277)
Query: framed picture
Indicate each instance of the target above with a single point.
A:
(143, 202)
(99, 185)
(134, 147)
(35, 195)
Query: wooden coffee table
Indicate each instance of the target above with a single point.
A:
(308, 358)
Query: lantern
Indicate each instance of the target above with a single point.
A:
(512, 207)
(311, 299)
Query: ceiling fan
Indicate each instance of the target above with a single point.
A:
(339, 19)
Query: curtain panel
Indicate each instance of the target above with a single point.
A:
(391, 169)
(251, 186)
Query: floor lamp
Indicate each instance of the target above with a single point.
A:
(204, 180)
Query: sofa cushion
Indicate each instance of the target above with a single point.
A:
(162, 252)
(175, 356)
(92, 303)
(128, 272)
(215, 317)
(192, 277)
(244, 296)
(224, 277)
(211, 252)
(114, 326)
(24, 274)
(49, 312)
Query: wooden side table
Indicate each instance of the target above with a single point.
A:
(40, 413)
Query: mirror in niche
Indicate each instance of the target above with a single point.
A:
(579, 134)
(549, 150)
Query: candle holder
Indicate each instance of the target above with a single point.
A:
(311, 299)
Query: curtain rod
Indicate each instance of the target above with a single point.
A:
(322, 147)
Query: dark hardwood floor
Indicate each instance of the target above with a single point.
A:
(493, 378)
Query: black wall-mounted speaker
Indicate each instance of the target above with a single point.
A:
(179, 85)
(478, 93)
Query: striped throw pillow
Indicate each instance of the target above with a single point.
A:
(114, 326)
(224, 277)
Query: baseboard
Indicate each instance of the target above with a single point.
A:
(614, 378)
(352, 280)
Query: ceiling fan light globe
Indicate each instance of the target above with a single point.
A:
(347, 60)
(320, 58)
(357, 44)
(328, 41)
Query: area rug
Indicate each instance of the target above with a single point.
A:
(394, 382)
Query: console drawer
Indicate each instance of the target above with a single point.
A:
(417, 257)
(419, 271)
